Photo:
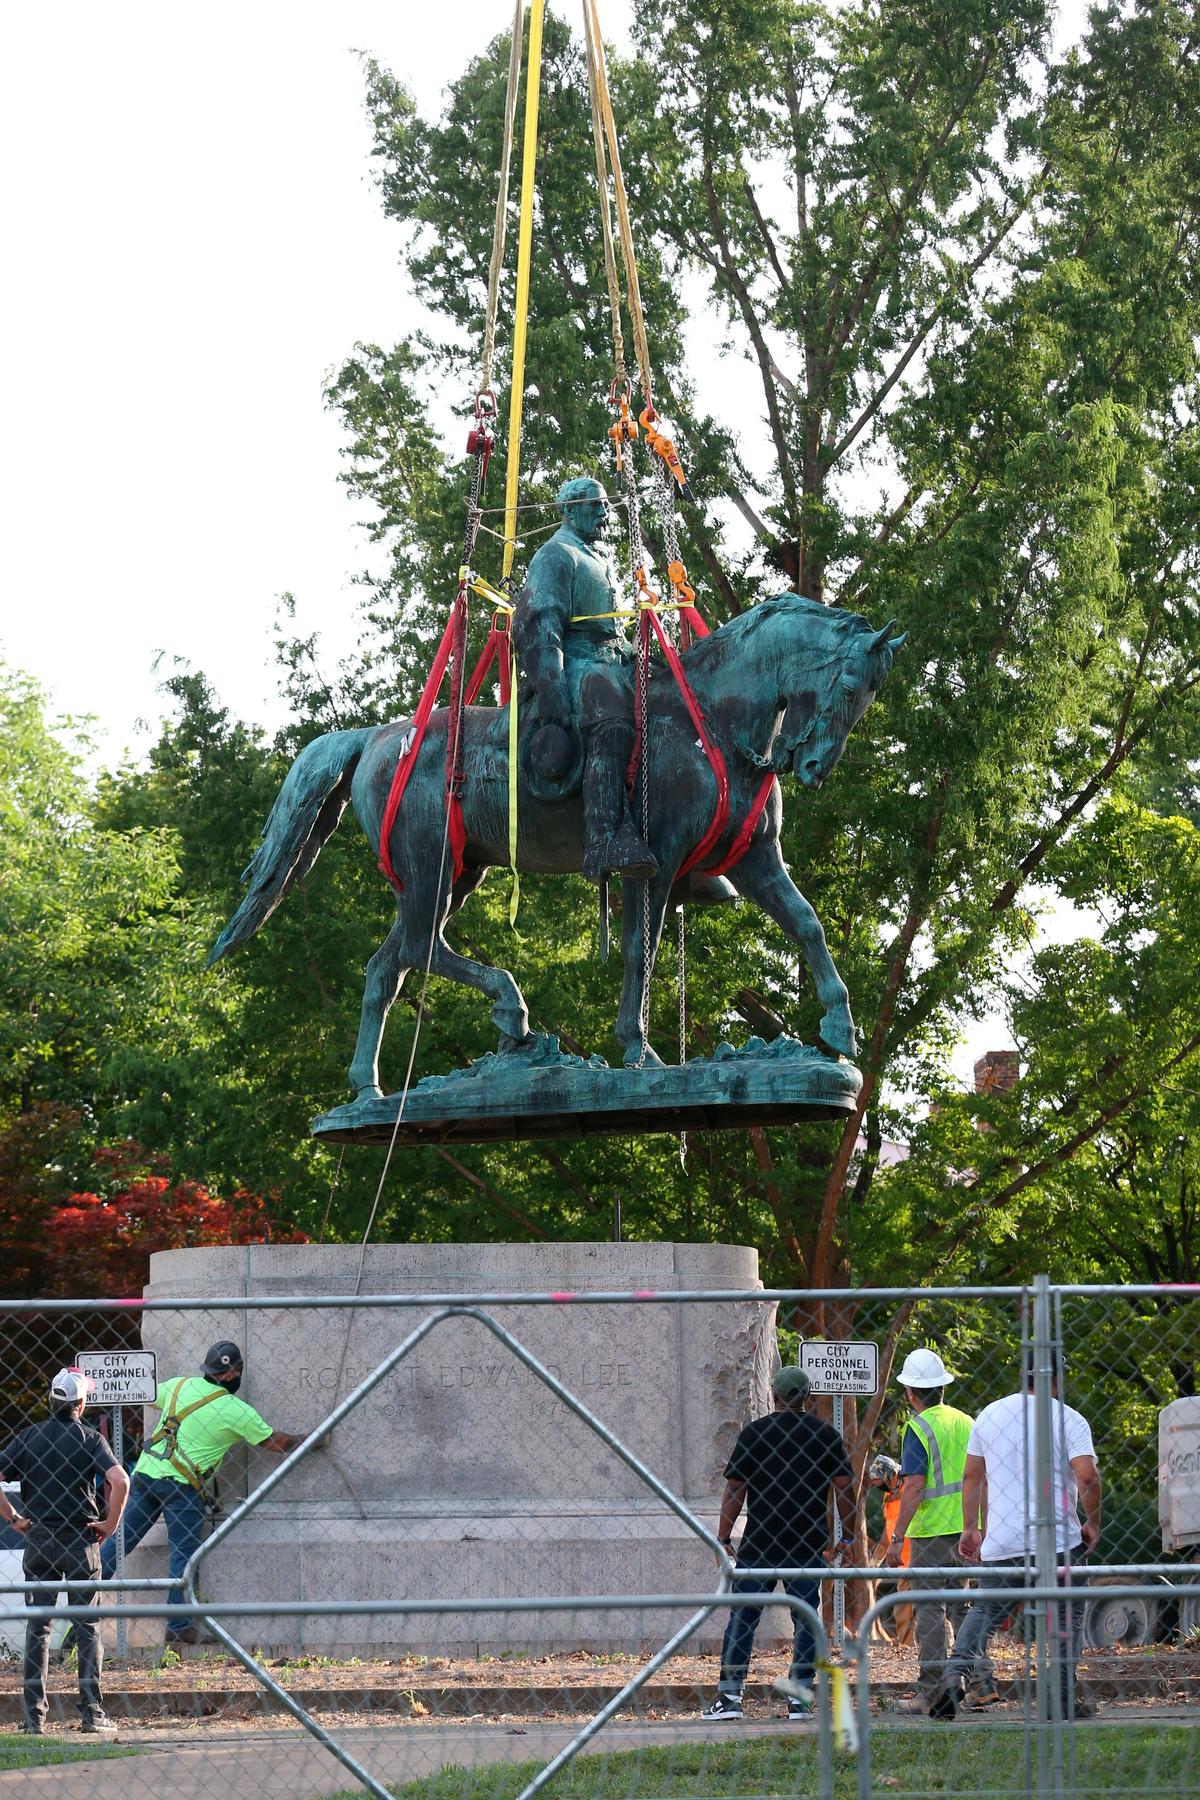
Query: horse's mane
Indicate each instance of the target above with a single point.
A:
(833, 623)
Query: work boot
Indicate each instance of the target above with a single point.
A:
(947, 1698)
(189, 1634)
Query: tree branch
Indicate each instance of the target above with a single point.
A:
(872, 407)
(750, 319)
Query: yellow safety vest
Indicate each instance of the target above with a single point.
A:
(944, 1431)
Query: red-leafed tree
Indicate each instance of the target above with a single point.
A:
(100, 1242)
(95, 1244)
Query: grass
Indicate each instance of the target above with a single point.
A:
(17, 1751)
(917, 1763)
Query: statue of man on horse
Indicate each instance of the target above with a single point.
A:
(576, 694)
(773, 692)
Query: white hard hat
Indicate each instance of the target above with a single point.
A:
(924, 1369)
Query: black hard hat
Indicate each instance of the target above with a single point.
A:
(222, 1358)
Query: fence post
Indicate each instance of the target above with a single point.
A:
(1049, 1686)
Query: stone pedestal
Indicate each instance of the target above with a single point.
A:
(462, 1475)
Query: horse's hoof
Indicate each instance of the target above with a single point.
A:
(837, 1037)
(508, 1044)
(370, 1092)
(635, 1060)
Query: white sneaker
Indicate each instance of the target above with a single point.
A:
(723, 1707)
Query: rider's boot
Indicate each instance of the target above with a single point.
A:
(614, 844)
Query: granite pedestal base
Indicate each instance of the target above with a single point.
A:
(462, 1476)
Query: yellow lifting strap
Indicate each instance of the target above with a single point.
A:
(501, 603)
(533, 82)
(512, 473)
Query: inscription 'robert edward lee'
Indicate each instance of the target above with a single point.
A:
(494, 1377)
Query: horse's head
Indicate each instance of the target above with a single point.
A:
(820, 717)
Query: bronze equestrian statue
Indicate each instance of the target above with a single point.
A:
(779, 688)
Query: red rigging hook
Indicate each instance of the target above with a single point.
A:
(481, 439)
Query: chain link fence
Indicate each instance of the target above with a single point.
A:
(493, 1560)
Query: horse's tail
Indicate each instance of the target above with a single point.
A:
(305, 814)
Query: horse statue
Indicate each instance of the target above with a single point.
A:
(779, 688)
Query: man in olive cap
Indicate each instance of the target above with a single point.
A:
(575, 660)
(199, 1420)
(781, 1470)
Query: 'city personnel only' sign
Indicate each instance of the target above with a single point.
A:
(840, 1367)
(122, 1377)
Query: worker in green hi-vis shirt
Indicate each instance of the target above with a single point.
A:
(933, 1455)
(200, 1419)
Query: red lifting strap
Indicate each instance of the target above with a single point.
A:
(406, 761)
(741, 842)
(497, 648)
(716, 761)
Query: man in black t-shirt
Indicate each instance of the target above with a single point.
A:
(56, 1463)
(782, 1469)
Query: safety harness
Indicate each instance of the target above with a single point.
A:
(167, 1434)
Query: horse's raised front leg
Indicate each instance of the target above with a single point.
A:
(385, 977)
(762, 877)
(633, 982)
(509, 1012)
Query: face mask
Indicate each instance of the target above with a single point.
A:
(233, 1384)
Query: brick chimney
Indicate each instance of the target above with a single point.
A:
(997, 1071)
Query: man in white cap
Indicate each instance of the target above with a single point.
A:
(933, 1456)
(57, 1462)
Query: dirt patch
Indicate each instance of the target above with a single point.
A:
(205, 1685)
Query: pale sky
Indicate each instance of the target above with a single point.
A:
(192, 243)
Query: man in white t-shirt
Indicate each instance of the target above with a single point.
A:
(999, 1514)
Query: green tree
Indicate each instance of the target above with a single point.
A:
(94, 942)
(963, 276)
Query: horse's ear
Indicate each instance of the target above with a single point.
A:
(897, 642)
(880, 638)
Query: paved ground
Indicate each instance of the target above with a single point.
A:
(289, 1765)
(286, 1764)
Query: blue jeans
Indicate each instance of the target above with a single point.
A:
(984, 1616)
(183, 1510)
(743, 1623)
